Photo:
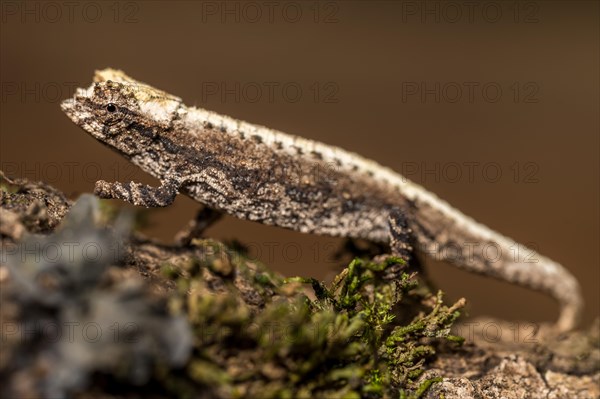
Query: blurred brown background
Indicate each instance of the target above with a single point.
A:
(492, 106)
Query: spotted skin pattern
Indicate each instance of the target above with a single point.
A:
(266, 176)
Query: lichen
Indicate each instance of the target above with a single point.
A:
(65, 319)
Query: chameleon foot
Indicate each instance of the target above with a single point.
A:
(137, 193)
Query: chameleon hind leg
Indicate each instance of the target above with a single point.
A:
(402, 245)
(401, 242)
(401, 239)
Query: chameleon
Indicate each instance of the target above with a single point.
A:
(263, 175)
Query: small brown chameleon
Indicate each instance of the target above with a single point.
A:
(259, 174)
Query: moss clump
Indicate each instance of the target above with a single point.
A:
(364, 335)
(6, 188)
(214, 323)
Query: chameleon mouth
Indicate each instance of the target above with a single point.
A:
(67, 104)
(75, 108)
(72, 105)
(68, 107)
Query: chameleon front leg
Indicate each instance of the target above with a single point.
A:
(139, 194)
(205, 218)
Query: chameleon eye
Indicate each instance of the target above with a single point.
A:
(110, 107)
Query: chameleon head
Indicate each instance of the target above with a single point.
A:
(121, 111)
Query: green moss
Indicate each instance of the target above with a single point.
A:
(109, 213)
(263, 279)
(7, 188)
(363, 335)
(169, 270)
(425, 385)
